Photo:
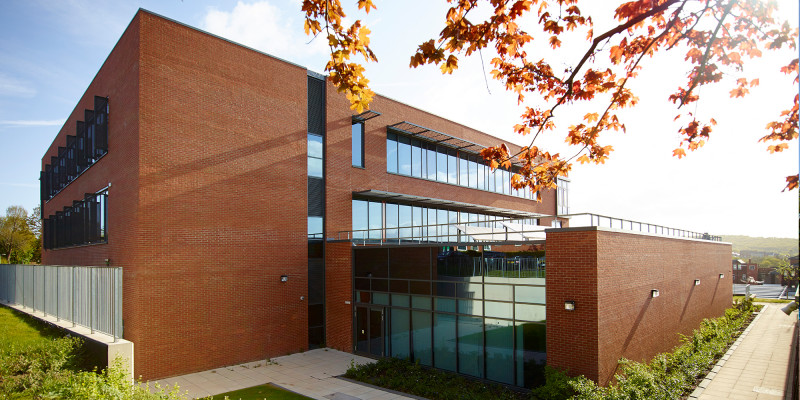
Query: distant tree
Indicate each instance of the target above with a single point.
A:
(17, 240)
(714, 36)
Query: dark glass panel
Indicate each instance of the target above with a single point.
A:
(444, 341)
(500, 350)
(391, 152)
(470, 346)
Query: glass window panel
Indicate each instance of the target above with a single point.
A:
(463, 171)
(360, 218)
(417, 218)
(391, 220)
(421, 337)
(315, 167)
(469, 290)
(431, 152)
(453, 219)
(315, 226)
(530, 312)
(424, 155)
(506, 182)
(490, 178)
(441, 221)
(375, 219)
(498, 310)
(529, 294)
(314, 146)
(444, 341)
(500, 350)
(404, 155)
(531, 356)
(401, 333)
(422, 302)
(441, 164)
(452, 168)
(400, 300)
(416, 159)
(470, 346)
(497, 292)
(447, 305)
(380, 298)
(471, 307)
(481, 175)
(405, 221)
(358, 144)
(391, 152)
(473, 174)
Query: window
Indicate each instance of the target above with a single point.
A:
(358, 144)
(562, 200)
(82, 223)
(89, 143)
(314, 155)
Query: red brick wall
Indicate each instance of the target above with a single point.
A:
(118, 80)
(207, 144)
(611, 287)
(339, 297)
(222, 204)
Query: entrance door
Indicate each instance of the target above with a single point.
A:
(370, 330)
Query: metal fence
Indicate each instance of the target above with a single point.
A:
(87, 296)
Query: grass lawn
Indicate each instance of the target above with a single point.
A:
(261, 392)
(20, 329)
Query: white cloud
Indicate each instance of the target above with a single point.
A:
(19, 123)
(15, 88)
(264, 27)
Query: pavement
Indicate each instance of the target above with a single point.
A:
(312, 374)
(768, 291)
(757, 364)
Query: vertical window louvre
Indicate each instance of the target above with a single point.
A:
(84, 222)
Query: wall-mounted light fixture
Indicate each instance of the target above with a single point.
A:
(284, 278)
(721, 276)
(654, 293)
(697, 282)
(569, 305)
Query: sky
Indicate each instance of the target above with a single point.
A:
(51, 50)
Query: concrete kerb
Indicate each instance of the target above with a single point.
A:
(718, 366)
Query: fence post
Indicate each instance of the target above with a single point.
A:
(113, 313)
(91, 296)
(72, 302)
(58, 294)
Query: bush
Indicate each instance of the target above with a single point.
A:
(668, 376)
(408, 377)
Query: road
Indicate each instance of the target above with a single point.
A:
(761, 291)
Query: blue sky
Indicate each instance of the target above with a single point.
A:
(51, 50)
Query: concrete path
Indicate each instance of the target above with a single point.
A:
(311, 374)
(757, 364)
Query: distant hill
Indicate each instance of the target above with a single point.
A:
(781, 246)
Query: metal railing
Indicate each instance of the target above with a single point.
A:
(503, 230)
(87, 296)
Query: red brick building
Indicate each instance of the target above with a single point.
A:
(254, 216)
(743, 271)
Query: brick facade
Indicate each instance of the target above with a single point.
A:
(208, 206)
(610, 274)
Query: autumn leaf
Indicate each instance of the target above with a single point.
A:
(678, 153)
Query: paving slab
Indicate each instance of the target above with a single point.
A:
(312, 374)
(757, 367)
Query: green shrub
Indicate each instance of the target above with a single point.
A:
(667, 376)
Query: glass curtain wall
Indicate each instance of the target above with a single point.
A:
(448, 310)
(377, 220)
(425, 160)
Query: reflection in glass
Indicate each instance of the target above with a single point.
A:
(405, 221)
(470, 346)
(446, 305)
(315, 167)
(314, 146)
(360, 218)
(391, 152)
(497, 292)
(530, 294)
(530, 312)
(444, 341)
(358, 144)
(421, 337)
(422, 302)
(499, 350)
(404, 155)
(531, 356)
(431, 154)
(391, 220)
(400, 333)
(472, 307)
(452, 167)
(375, 220)
(498, 310)
(441, 164)
(416, 159)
